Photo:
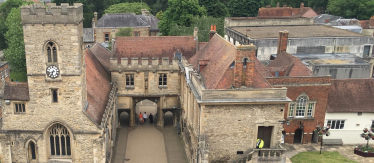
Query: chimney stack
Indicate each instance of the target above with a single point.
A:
(95, 17)
(212, 31)
(244, 65)
(145, 12)
(278, 4)
(196, 38)
(282, 41)
(301, 6)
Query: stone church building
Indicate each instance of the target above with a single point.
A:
(222, 97)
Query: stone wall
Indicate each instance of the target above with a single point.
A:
(232, 128)
(100, 33)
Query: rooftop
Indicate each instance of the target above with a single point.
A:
(330, 59)
(121, 20)
(295, 31)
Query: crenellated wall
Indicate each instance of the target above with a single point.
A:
(39, 13)
(144, 64)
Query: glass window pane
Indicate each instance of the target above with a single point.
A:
(342, 124)
(16, 107)
(333, 124)
(23, 107)
(49, 54)
(52, 144)
(337, 124)
(310, 109)
(68, 144)
(290, 112)
(54, 55)
(57, 141)
(63, 145)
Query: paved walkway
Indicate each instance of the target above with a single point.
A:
(346, 151)
(145, 144)
(173, 142)
(121, 142)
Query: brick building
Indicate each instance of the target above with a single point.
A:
(285, 11)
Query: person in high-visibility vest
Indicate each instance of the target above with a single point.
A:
(260, 143)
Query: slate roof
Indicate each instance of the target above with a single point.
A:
(351, 95)
(295, 31)
(157, 46)
(285, 12)
(102, 54)
(218, 74)
(290, 65)
(16, 91)
(88, 35)
(98, 87)
(150, 20)
(121, 20)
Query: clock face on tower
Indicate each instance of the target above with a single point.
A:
(53, 71)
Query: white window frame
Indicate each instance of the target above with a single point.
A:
(305, 103)
(334, 127)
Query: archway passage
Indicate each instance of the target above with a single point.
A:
(298, 136)
(124, 118)
(146, 107)
(168, 119)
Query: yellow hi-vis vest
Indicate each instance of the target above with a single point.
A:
(260, 143)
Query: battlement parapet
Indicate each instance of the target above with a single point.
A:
(39, 13)
(144, 64)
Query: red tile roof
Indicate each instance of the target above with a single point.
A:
(16, 91)
(290, 64)
(367, 24)
(102, 54)
(286, 12)
(158, 46)
(351, 95)
(98, 87)
(218, 74)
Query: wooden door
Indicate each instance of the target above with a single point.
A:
(264, 133)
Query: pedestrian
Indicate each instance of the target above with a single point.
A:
(140, 118)
(145, 116)
(150, 118)
(259, 145)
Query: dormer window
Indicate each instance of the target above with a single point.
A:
(52, 52)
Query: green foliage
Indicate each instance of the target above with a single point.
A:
(203, 24)
(124, 32)
(180, 12)
(15, 53)
(315, 157)
(359, 9)
(19, 76)
(215, 8)
(159, 15)
(289, 3)
(5, 9)
(127, 8)
(245, 8)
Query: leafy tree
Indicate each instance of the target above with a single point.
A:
(289, 3)
(245, 8)
(159, 15)
(124, 32)
(215, 8)
(15, 53)
(318, 5)
(160, 5)
(359, 9)
(5, 9)
(180, 12)
(127, 8)
(203, 24)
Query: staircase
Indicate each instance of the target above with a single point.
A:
(264, 155)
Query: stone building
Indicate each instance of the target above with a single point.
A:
(106, 27)
(283, 12)
(66, 111)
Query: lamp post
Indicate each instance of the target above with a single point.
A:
(322, 132)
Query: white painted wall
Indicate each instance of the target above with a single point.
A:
(351, 132)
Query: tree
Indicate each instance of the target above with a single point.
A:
(203, 24)
(127, 8)
(245, 8)
(215, 8)
(15, 53)
(124, 32)
(159, 15)
(359, 9)
(289, 3)
(5, 9)
(180, 12)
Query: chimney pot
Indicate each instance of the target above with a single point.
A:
(95, 17)
(282, 41)
(278, 4)
(301, 6)
(212, 31)
(284, 5)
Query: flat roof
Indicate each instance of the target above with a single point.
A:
(295, 31)
(330, 59)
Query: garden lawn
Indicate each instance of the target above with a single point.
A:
(315, 157)
(21, 77)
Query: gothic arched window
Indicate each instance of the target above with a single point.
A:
(52, 52)
(59, 141)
